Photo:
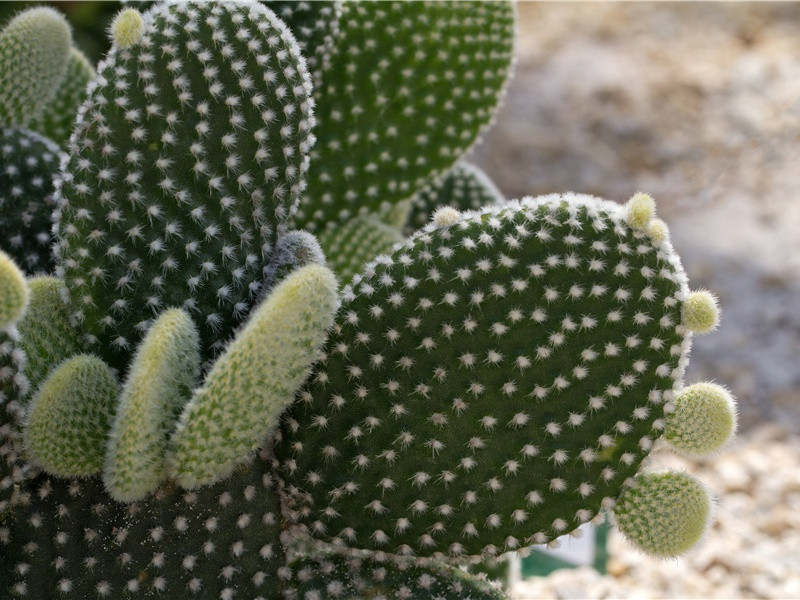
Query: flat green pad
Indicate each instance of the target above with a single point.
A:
(490, 385)
(406, 90)
(28, 162)
(69, 540)
(365, 578)
(187, 160)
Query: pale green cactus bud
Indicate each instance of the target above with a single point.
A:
(13, 291)
(48, 337)
(664, 514)
(127, 28)
(70, 417)
(702, 420)
(255, 379)
(58, 117)
(641, 209)
(701, 312)
(34, 49)
(351, 245)
(160, 380)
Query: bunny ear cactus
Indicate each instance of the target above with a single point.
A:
(406, 88)
(493, 383)
(29, 163)
(182, 171)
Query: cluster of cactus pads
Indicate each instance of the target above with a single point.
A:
(192, 408)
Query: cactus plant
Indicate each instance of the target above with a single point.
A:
(490, 382)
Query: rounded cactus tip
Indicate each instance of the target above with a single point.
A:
(446, 216)
(127, 28)
(701, 312)
(658, 232)
(664, 514)
(703, 419)
(641, 209)
(13, 291)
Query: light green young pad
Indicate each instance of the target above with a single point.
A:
(489, 385)
(160, 381)
(70, 417)
(253, 381)
(13, 291)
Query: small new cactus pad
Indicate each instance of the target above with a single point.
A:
(664, 514)
(702, 419)
(489, 385)
(47, 336)
(34, 50)
(58, 117)
(160, 381)
(13, 291)
(464, 187)
(407, 88)
(188, 155)
(252, 382)
(701, 312)
(340, 576)
(70, 416)
(293, 250)
(351, 245)
(314, 24)
(69, 540)
(28, 164)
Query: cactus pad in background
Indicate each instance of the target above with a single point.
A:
(405, 91)
(13, 386)
(47, 336)
(58, 116)
(29, 162)
(34, 50)
(182, 170)
(248, 387)
(464, 187)
(293, 250)
(351, 245)
(338, 576)
(491, 384)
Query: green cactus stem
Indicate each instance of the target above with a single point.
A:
(160, 381)
(464, 187)
(188, 157)
(489, 385)
(34, 49)
(406, 89)
(355, 577)
(13, 387)
(664, 514)
(58, 117)
(14, 292)
(351, 245)
(70, 417)
(248, 387)
(69, 540)
(47, 336)
(29, 162)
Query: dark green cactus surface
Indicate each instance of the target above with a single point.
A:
(13, 387)
(188, 158)
(28, 163)
(464, 187)
(358, 577)
(69, 540)
(490, 385)
(406, 89)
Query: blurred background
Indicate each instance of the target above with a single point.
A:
(697, 104)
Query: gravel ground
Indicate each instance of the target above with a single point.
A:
(752, 551)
